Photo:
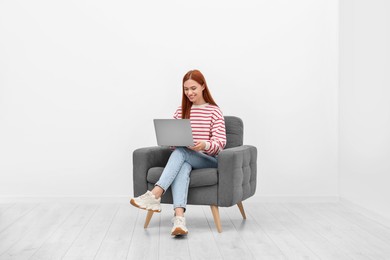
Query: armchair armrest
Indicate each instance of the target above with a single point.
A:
(237, 174)
(144, 159)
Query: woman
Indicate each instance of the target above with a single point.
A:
(208, 129)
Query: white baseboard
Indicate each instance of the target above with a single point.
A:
(366, 212)
(294, 199)
(125, 199)
(64, 199)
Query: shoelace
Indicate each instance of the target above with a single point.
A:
(143, 196)
(179, 221)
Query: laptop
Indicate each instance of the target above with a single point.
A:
(173, 132)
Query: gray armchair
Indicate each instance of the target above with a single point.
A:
(232, 182)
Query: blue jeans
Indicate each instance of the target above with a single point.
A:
(177, 172)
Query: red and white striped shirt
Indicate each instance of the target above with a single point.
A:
(208, 124)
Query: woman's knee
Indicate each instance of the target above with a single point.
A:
(184, 170)
(187, 167)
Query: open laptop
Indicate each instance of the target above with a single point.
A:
(173, 132)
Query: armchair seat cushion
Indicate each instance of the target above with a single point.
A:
(198, 177)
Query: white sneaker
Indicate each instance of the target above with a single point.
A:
(179, 226)
(147, 201)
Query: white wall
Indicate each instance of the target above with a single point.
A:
(365, 104)
(81, 82)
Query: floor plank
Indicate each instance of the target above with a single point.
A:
(327, 229)
(321, 246)
(5, 206)
(49, 217)
(229, 242)
(201, 242)
(20, 225)
(145, 242)
(89, 240)
(289, 244)
(118, 238)
(375, 228)
(115, 231)
(374, 247)
(257, 240)
(11, 214)
(61, 240)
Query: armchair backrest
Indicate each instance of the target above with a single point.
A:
(234, 131)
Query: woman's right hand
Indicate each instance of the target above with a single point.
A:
(199, 146)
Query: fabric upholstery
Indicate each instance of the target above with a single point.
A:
(237, 170)
(233, 181)
(234, 131)
(143, 160)
(199, 177)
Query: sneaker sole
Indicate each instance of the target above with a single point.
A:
(132, 202)
(179, 232)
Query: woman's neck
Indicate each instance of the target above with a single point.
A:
(200, 102)
(200, 105)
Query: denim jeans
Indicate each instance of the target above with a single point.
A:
(176, 173)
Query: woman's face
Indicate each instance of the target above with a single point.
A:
(194, 92)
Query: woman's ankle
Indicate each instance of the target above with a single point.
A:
(179, 212)
(157, 191)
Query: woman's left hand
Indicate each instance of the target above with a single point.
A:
(199, 146)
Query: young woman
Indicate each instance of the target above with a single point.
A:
(208, 129)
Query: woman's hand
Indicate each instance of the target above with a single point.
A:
(199, 146)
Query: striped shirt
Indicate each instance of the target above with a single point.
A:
(208, 124)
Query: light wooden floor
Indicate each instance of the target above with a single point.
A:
(115, 231)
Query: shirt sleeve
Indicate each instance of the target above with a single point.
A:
(177, 114)
(217, 134)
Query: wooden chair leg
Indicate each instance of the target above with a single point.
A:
(241, 207)
(148, 218)
(217, 220)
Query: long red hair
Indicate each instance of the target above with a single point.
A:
(186, 104)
